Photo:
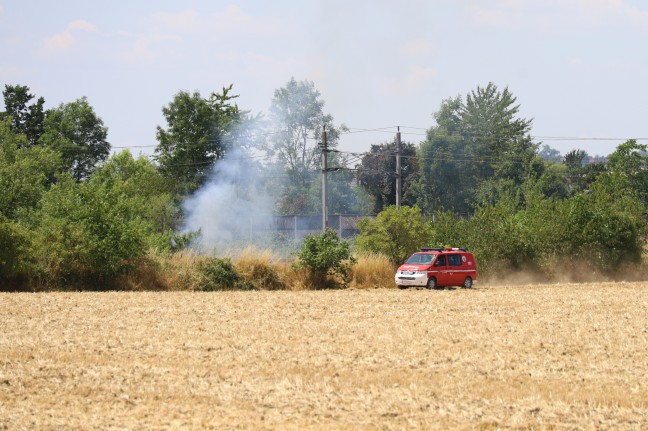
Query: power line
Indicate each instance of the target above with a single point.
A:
(389, 130)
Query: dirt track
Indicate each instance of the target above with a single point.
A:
(553, 356)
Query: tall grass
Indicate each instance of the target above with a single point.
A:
(258, 270)
(373, 270)
(261, 269)
(181, 270)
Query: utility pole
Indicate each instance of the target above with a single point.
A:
(324, 172)
(398, 168)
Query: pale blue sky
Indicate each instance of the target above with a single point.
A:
(577, 67)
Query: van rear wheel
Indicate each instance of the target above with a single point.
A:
(432, 283)
(467, 284)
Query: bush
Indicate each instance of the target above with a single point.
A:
(327, 258)
(85, 235)
(219, 274)
(396, 233)
(594, 230)
(13, 254)
(602, 230)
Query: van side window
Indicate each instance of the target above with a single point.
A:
(454, 260)
(441, 261)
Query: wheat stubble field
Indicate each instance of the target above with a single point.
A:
(570, 356)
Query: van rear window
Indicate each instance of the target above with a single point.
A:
(454, 260)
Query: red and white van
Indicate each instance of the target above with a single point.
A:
(437, 267)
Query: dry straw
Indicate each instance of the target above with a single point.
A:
(570, 356)
(373, 270)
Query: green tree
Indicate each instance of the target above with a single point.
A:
(552, 182)
(343, 194)
(477, 146)
(24, 171)
(629, 164)
(25, 118)
(580, 172)
(297, 114)
(297, 111)
(396, 233)
(143, 188)
(75, 130)
(574, 161)
(377, 174)
(442, 182)
(550, 154)
(199, 133)
(499, 234)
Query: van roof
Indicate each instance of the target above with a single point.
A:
(441, 250)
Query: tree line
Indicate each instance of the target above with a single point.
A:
(73, 214)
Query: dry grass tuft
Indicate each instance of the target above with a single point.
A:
(260, 269)
(146, 276)
(181, 271)
(297, 278)
(373, 271)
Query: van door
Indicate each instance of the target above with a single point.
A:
(440, 270)
(455, 271)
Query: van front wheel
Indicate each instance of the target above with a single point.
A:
(432, 283)
(467, 284)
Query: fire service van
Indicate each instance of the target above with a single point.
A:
(438, 267)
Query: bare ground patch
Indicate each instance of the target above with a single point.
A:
(567, 356)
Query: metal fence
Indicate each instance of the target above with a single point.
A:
(298, 226)
(273, 228)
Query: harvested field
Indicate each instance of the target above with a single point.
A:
(570, 356)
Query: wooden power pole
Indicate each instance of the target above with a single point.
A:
(398, 168)
(324, 172)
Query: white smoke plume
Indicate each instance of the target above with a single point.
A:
(232, 208)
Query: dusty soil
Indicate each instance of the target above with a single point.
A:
(571, 356)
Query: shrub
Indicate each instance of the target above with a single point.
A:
(327, 258)
(219, 274)
(396, 233)
(601, 229)
(14, 258)
(84, 235)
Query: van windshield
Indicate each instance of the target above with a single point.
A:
(420, 259)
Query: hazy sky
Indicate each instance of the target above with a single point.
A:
(577, 67)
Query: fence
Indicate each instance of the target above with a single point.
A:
(298, 226)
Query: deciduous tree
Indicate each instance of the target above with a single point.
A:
(198, 133)
(377, 173)
(297, 118)
(629, 162)
(477, 146)
(25, 118)
(75, 130)
(24, 171)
